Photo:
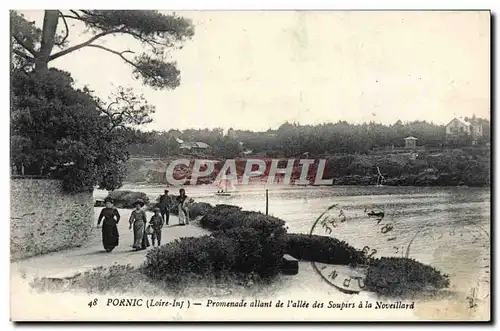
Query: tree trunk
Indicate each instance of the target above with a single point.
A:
(50, 21)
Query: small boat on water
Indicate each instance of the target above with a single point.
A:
(223, 191)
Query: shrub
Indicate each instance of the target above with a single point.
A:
(263, 233)
(212, 220)
(225, 217)
(198, 255)
(323, 249)
(273, 249)
(249, 248)
(239, 249)
(126, 199)
(200, 209)
(257, 250)
(174, 207)
(265, 224)
(396, 276)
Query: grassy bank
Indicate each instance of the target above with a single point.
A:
(125, 279)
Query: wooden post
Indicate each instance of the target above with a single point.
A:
(267, 202)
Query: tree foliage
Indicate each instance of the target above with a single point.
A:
(58, 131)
(61, 132)
(33, 48)
(291, 140)
(125, 108)
(227, 148)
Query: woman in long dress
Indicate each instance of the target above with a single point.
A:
(182, 199)
(138, 221)
(111, 216)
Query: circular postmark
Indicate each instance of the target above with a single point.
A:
(371, 232)
(360, 234)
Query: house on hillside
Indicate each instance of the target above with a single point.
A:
(197, 146)
(459, 128)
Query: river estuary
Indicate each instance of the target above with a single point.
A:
(446, 227)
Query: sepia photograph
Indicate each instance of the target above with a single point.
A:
(243, 166)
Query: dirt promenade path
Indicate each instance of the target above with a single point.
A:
(71, 261)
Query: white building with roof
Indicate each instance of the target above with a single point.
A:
(410, 142)
(459, 127)
(194, 146)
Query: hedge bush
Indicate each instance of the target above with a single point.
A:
(323, 249)
(217, 214)
(241, 250)
(249, 248)
(398, 276)
(272, 237)
(200, 209)
(258, 251)
(198, 255)
(225, 217)
(242, 241)
(126, 199)
(264, 233)
(253, 243)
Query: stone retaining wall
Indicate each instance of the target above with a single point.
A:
(45, 219)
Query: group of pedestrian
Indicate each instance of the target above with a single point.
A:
(138, 221)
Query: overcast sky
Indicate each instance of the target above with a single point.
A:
(255, 70)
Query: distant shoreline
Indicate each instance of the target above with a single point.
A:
(160, 187)
(165, 186)
(263, 184)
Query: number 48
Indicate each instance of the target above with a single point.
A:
(92, 303)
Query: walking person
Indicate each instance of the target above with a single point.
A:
(156, 223)
(111, 216)
(138, 221)
(182, 199)
(164, 205)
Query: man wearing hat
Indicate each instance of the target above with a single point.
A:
(156, 223)
(164, 205)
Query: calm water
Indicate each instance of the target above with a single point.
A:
(448, 228)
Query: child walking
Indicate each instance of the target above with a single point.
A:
(156, 223)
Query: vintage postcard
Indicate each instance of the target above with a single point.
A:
(250, 165)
